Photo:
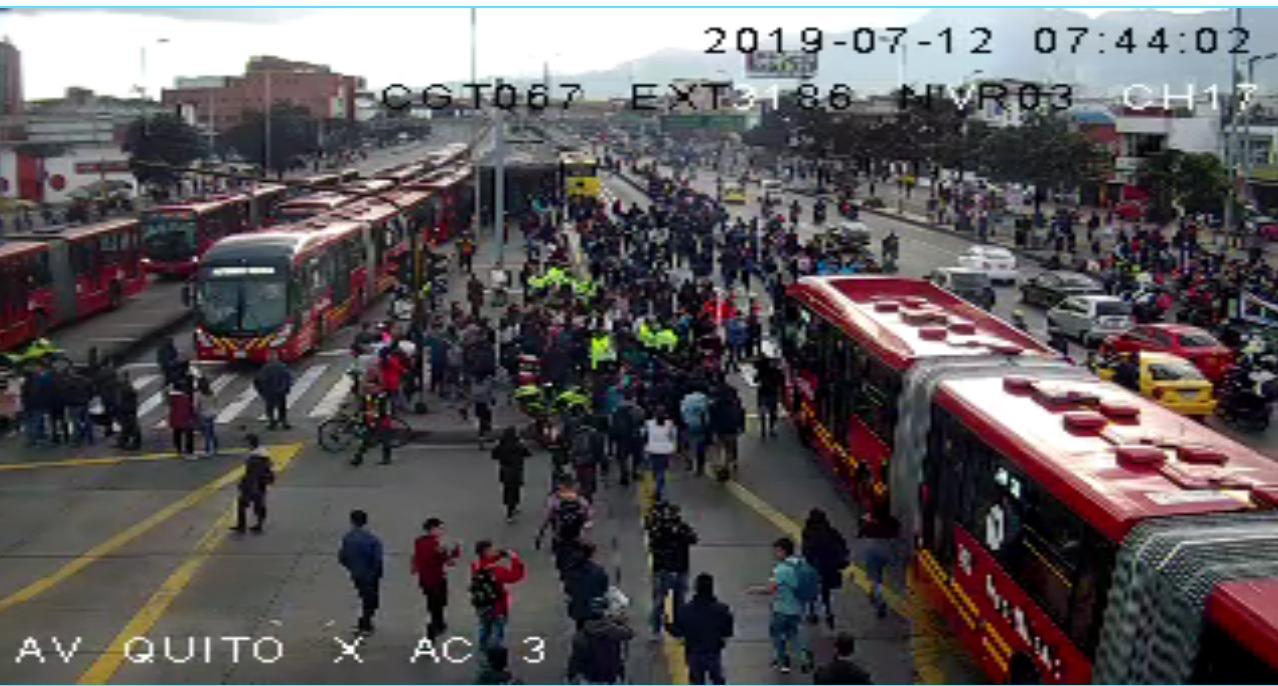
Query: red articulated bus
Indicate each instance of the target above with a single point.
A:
(315, 204)
(391, 219)
(1063, 524)
(402, 174)
(174, 236)
(280, 291)
(52, 279)
(453, 199)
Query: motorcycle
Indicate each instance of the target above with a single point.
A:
(1246, 397)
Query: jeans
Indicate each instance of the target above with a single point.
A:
(704, 667)
(82, 423)
(34, 420)
(208, 428)
(877, 557)
(784, 630)
(660, 463)
(492, 633)
(698, 443)
(665, 583)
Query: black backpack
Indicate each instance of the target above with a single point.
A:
(570, 519)
(485, 592)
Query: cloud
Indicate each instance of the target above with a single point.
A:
(241, 16)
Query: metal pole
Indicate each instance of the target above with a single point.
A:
(1230, 157)
(1251, 69)
(266, 158)
(476, 175)
(499, 184)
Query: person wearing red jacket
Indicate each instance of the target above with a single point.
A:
(431, 560)
(489, 592)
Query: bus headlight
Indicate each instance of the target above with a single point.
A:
(281, 337)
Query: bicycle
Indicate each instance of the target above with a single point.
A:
(341, 431)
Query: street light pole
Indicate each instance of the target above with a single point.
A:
(1231, 163)
(476, 174)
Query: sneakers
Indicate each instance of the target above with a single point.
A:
(783, 667)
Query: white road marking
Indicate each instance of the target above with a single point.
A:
(332, 401)
(301, 386)
(144, 381)
(233, 410)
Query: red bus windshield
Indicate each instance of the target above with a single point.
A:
(170, 235)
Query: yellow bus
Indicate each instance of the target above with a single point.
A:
(580, 173)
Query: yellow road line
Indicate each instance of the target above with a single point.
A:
(99, 461)
(146, 618)
(119, 540)
(926, 643)
(671, 648)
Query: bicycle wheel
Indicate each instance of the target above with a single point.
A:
(336, 434)
(400, 432)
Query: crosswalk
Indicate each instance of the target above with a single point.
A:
(318, 392)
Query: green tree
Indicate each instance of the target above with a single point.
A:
(158, 144)
(1194, 181)
(294, 134)
(1044, 151)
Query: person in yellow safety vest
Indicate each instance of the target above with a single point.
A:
(601, 350)
(647, 336)
(667, 339)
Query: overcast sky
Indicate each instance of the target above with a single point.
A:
(101, 49)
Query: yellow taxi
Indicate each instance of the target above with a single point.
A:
(1171, 381)
(734, 195)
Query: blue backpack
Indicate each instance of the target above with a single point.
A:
(807, 582)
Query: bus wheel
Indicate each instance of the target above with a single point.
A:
(115, 295)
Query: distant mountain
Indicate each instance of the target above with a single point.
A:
(1100, 65)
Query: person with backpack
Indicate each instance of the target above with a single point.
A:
(795, 584)
(827, 551)
(258, 476)
(589, 450)
(705, 624)
(727, 422)
(669, 539)
(488, 593)
(626, 429)
(567, 517)
(510, 454)
(694, 410)
(585, 581)
(598, 654)
(361, 555)
(431, 560)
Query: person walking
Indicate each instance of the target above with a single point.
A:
(771, 382)
(206, 411)
(585, 581)
(431, 560)
(361, 555)
(705, 624)
(510, 454)
(182, 418)
(879, 529)
(481, 394)
(662, 441)
(727, 422)
(794, 584)
(827, 551)
(589, 450)
(568, 515)
(258, 476)
(842, 669)
(489, 594)
(273, 382)
(598, 652)
(694, 409)
(127, 415)
(670, 539)
(626, 427)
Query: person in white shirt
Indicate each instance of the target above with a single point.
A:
(662, 442)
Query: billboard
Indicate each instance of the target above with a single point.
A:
(781, 65)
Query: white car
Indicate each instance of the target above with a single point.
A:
(771, 186)
(1090, 319)
(998, 263)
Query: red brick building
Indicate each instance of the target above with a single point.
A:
(222, 101)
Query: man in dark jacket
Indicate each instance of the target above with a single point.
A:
(361, 555)
(258, 475)
(842, 670)
(106, 383)
(584, 582)
(727, 421)
(127, 414)
(669, 538)
(598, 654)
(704, 624)
(273, 382)
(78, 393)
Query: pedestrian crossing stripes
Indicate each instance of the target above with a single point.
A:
(332, 401)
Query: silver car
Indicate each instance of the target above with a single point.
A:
(1089, 318)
